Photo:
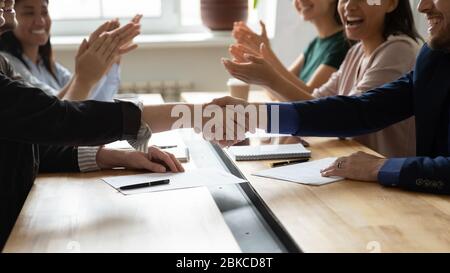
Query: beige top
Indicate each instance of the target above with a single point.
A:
(358, 74)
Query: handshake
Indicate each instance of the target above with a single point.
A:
(224, 120)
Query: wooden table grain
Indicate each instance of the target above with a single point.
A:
(353, 216)
(80, 213)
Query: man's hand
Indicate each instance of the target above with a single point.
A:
(239, 117)
(358, 166)
(154, 160)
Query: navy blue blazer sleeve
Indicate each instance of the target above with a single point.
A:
(372, 111)
(28, 115)
(345, 116)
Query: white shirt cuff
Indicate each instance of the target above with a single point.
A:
(87, 159)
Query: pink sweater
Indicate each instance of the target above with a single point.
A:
(358, 74)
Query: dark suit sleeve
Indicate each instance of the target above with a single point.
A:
(58, 159)
(29, 115)
(424, 174)
(351, 116)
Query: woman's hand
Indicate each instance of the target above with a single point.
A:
(252, 69)
(358, 166)
(154, 160)
(238, 52)
(94, 58)
(130, 45)
(245, 36)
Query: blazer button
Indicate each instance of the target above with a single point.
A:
(419, 182)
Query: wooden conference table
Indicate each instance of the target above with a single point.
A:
(78, 212)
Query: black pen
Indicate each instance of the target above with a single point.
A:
(282, 163)
(146, 184)
(166, 147)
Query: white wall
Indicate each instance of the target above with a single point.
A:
(292, 35)
(198, 65)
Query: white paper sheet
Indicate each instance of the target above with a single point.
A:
(188, 179)
(303, 173)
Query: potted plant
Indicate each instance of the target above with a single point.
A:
(221, 14)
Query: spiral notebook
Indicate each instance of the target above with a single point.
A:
(268, 152)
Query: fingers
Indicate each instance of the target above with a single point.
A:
(102, 28)
(263, 49)
(333, 172)
(333, 169)
(126, 33)
(127, 49)
(222, 102)
(238, 51)
(177, 163)
(252, 58)
(114, 24)
(128, 37)
(232, 66)
(263, 29)
(237, 54)
(164, 158)
(137, 18)
(154, 167)
(98, 43)
(83, 47)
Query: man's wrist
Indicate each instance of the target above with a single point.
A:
(377, 168)
(108, 158)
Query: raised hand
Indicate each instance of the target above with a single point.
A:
(247, 37)
(94, 58)
(238, 52)
(253, 69)
(130, 46)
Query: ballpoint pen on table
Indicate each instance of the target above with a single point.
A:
(288, 162)
(146, 184)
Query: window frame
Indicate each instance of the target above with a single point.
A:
(169, 22)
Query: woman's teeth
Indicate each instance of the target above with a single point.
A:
(354, 21)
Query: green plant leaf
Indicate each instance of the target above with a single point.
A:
(255, 3)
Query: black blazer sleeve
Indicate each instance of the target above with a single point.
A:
(28, 115)
(58, 159)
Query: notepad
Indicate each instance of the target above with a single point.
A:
(303, 173)
(267, 152)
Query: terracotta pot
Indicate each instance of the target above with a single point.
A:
(221, 14)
